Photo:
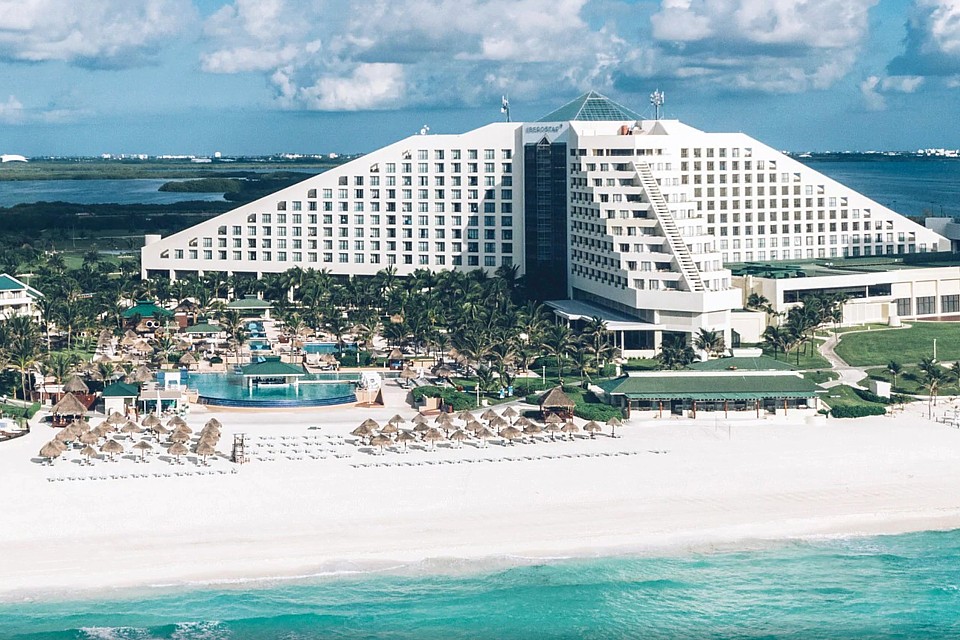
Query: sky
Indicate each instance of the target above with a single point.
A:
(85, 77)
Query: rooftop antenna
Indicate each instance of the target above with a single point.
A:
(505, 107)
(657, 99)
(424, 130)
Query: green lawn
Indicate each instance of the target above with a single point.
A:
(845, 397)
(910, 380)
(906, 346)
(826, 333)
(820, 376)
(810, 360)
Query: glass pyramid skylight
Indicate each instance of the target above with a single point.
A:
(591, 106)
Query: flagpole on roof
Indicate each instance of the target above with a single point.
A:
(505, 107)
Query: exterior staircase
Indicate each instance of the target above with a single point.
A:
(678, 247)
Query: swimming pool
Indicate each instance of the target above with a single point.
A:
(326, 347)
(314, 390)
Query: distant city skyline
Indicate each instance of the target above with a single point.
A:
(255, 77)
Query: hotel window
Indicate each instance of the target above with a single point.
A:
(950, 304)
(926, 305)
(903, 307)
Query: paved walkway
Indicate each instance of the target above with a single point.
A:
(848, 375)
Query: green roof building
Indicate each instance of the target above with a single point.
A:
(680, 392)
(271, 371)
(146, 309)
(251, 305)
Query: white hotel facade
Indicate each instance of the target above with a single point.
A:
(605, 213)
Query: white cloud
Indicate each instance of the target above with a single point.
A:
(874, 89)
(933, 40)
(374, 54)
(776, 46)
(871, 96)
(111, 33)
(11, 111)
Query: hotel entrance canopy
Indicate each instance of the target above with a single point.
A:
(574, 310)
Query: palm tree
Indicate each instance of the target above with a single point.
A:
(675, 353)
(60, 364)
(558, 341)
(709, 340)
(776, 339)
(23, 358)
(933, 379)
(595, 335)
(895, 369)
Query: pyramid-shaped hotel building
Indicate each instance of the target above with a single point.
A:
(606, 214)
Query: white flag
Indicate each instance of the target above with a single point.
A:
(504, 104)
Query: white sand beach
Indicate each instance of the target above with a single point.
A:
(684, 485)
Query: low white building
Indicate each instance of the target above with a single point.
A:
(878, 290)
(17, 298)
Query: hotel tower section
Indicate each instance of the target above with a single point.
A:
(605, 213)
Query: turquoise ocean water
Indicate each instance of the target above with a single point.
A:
(887, 587)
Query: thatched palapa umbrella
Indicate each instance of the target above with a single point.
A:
(484, 434)
(570, 428)
(188, 359)
(405, 437)
(111, 446)
(592, 428)
(89, 438)
(90, 452)
(52, 450)
(466, 416)
(553, 419)
(115, 418)
(179, 436)
(522, 422)
(151, 421)
(459, 436)
(489, 414)
(69, 405)
(131, 427)
(433, 436)
(532, 429)
(388, 429)
(474, 426)
(422, 428)
(498, 423)
(419, 419)
(397, 419)
(176, 422)
(553, 428)
(510, 412)
(205, 449)
(510, 433)
(380, 441)
(613, 423)
(142, 374)
(159, 430)
(178, 449)
(75, 385)
(143, 446)
(408, 374)
(102, 430)
(65, 435)
(213, 422)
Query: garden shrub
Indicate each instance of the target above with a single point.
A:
(857, 410)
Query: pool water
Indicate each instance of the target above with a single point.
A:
(326, 347)
(228, 389)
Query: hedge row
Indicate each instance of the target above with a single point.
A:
(459, 400)
(857, 410)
